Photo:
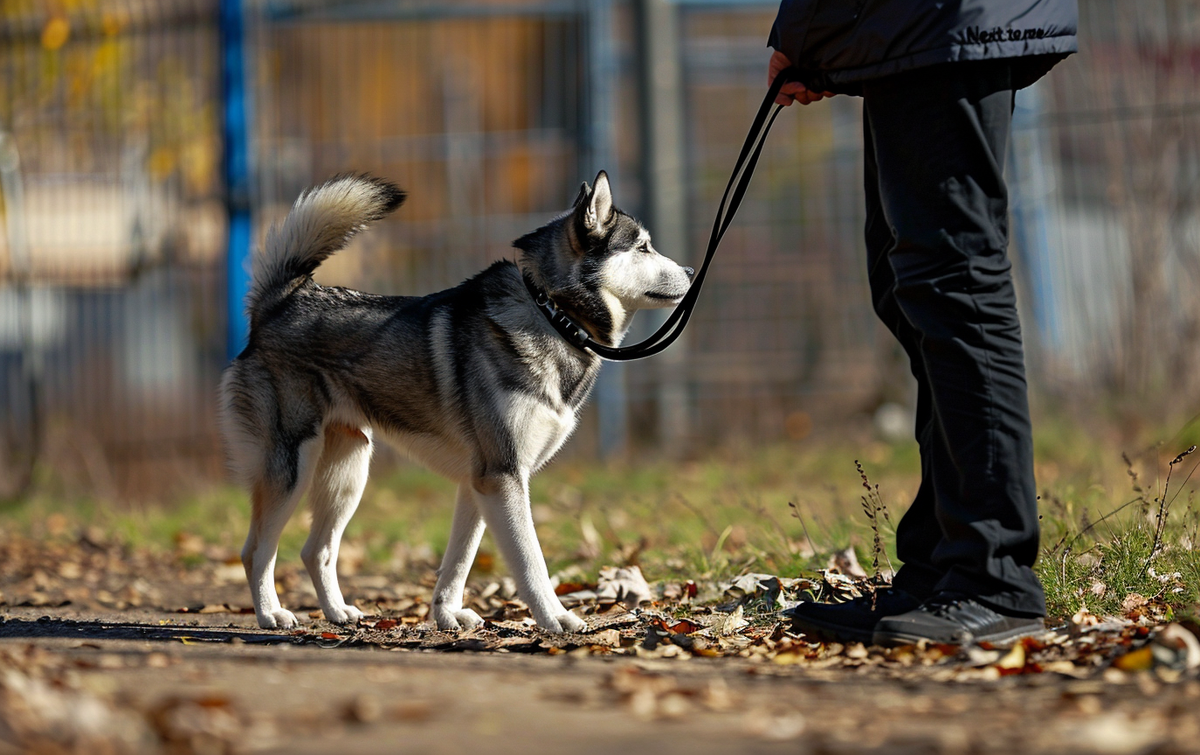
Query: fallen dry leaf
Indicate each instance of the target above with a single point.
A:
(1175, 647)
(846, 562)
(625, 585)
(683, 626)
(1141, 659)
(732, 623)
(1015, 659)
(1132, 602)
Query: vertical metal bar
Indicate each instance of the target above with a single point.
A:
(611, 399)
(32, 366)
(237, 173)
(661, 100)
(1031, 188)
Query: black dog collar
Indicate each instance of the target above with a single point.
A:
(571, 331)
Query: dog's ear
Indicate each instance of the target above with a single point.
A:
(584, 189)
(599, 204)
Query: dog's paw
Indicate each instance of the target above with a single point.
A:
(343, 614)
(572, 623)
(279, 618)
(463, 618)
(564, 622)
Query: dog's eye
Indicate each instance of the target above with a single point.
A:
(644, 248)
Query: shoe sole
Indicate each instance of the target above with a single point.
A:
(1012, 635)
(892, 639)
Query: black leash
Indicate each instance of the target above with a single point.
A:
(670, 330)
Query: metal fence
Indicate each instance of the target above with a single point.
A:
(785, 330)
(488, 115)
(113, 274)
(111, 303)
(1107, 209)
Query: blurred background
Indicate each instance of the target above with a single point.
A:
(146, 145)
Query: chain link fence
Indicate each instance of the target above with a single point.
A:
(110, 285)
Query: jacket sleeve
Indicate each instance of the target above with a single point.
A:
(803, 28)
(790, 28)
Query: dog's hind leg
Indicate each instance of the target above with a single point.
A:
(465, 534)
(273, 498)
(503, 499)
(337, 487)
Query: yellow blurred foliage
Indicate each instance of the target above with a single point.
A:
(162, 163)
(199, 164)
(55, 33)
(113, 22)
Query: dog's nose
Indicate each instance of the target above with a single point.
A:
(689, 272)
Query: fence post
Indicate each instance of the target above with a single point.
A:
(236, 168)
(1031, 192)
(611, 397)
(661, 102)
(12, 191)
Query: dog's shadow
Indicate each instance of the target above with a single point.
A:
(52, 628)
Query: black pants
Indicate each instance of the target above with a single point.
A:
(937, 237)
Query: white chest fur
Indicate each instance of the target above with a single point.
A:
(538, 428)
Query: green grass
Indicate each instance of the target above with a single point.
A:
(729, 513)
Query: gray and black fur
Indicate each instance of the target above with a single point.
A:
(471, 381)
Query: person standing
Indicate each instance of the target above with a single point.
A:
(938, 81)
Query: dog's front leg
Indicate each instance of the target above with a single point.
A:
(465, 533)
(503, 500)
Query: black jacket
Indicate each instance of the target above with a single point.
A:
(837, 44)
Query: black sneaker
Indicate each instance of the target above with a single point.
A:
(853, 621)
(952, 619)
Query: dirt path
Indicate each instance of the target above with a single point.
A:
(209, 684)
(108, 649)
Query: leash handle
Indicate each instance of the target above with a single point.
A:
(739, 181)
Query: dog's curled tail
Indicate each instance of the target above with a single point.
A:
(322, 221)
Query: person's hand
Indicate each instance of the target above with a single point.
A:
(793, 91)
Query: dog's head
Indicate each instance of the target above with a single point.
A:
(599, 265)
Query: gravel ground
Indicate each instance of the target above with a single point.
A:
(210, 687)
(104, 650)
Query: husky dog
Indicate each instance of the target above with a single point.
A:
(473, 382)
